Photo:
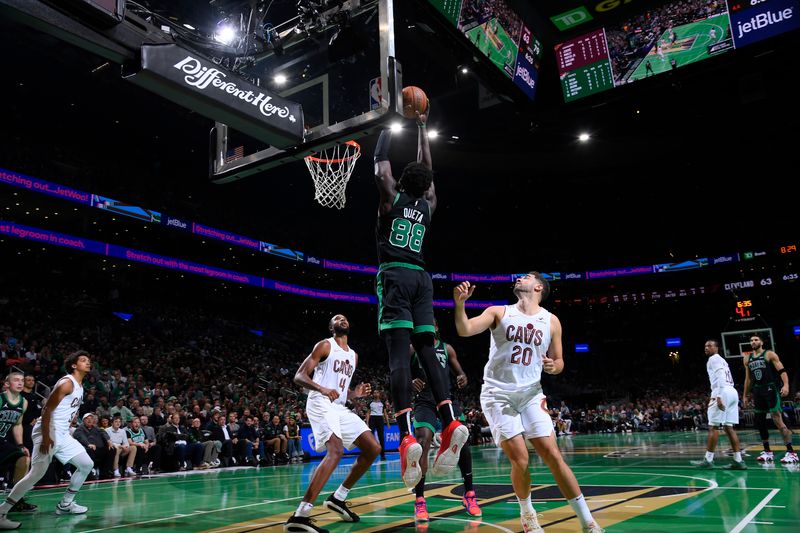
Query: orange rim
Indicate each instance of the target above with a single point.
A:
(330, 161)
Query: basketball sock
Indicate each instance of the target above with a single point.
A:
(766, 446)
(403, 422)
(578, 505)
(737, 456)
(789, 447)
(419, 490)
(710, 457)
(341, 493)
(525, 505)
(465, 465)
(6, 506)
(304, 509)
(68, 497)
(397, 341)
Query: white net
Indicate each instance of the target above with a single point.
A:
(331, 170)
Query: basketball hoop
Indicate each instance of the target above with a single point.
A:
(331, 169)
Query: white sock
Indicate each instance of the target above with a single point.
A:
(578, 504)
(341, 493)
(525, 505)
(737, 456)
(68, 497)
(710, 457)
(304, 509)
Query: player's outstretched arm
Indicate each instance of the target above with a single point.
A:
(467, 327)
(387, 185)
(424, 155)
(303, 375)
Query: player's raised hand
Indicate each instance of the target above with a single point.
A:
(362, 389)
(548, 365)
(463, 291)
(332, 394)
(422, 118)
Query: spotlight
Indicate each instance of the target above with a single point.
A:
(432, 134)
(225, 34)
(395, 127)
(583, 137)
(280, 79)
(464, 70)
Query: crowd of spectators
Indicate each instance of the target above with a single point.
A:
(182, 387)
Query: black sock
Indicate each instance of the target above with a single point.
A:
(465, 465)
(789, 447)
(766, 446)
(397, 341)
(419, 490)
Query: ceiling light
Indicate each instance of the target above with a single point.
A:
(433, 134)
(280, 79)
(395, 127)
(188, 26)
(225, 35)
(464, 70)
(583, 137)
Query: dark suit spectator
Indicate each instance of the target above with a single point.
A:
(220, 433)
(173, 438)
(206, 456)
(97, 444)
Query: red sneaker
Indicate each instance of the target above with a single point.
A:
(421, 510)
(470, 503)
(453, 439)
(410, 452)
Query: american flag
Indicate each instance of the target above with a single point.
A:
(233, 155)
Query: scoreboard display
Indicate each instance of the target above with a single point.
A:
(500, 34)
(584, 67)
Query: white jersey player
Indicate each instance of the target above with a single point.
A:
(723, 408)
(51, 438)
(525, 340)
(326, 373)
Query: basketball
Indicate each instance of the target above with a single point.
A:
(414, 99)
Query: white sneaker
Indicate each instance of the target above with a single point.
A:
(116, 473)
(790, 458)
(593, 528)
(6, 524)
(72, 508)
(130, 471)
(765, 457)
(530, 523)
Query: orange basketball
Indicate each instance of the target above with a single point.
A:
(414, 99)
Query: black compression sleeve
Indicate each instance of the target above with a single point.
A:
(382, 148)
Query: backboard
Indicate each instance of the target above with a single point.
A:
(735, 344)
(337, 59)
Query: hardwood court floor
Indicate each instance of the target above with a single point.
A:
(633, 483)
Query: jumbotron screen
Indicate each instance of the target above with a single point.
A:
(500, 34)
(648, 44)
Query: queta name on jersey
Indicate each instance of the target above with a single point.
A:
(412, 214)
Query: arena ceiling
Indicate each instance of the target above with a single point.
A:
(683, 165)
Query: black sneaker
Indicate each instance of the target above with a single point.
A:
(302, 524)
(341, 508)
(24, 507)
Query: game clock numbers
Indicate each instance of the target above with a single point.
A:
(743, 308)
(789, 249)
